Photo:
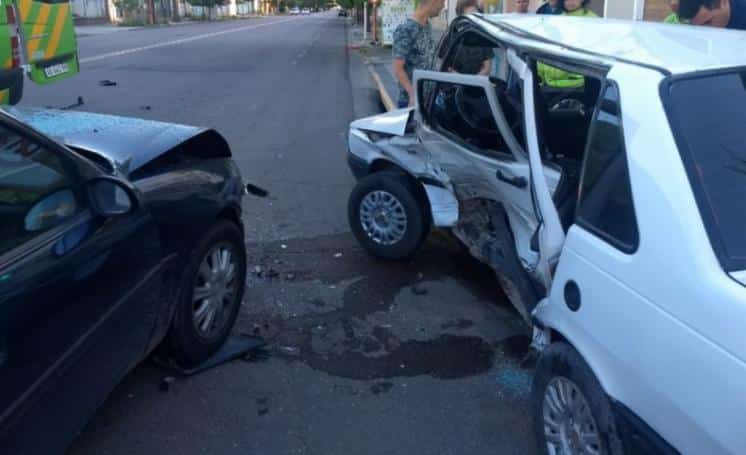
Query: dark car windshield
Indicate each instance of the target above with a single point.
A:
(708, 115)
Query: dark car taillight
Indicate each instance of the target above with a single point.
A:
(15, 51)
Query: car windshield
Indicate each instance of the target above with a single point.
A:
(707, 113)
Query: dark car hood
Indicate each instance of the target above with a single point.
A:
(127, 142)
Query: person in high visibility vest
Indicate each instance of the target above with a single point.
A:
(674, 18)
(559, 78)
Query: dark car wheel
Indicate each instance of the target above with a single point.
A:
(210, 295)
(387, 217)
(571, 412)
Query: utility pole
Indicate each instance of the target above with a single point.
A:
(365, 20)
(374, 20)
(175, 11)
(151, 12)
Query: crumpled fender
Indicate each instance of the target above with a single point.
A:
(444, 206)
(406, 153)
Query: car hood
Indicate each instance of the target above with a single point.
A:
(128, 143)
(393, 122)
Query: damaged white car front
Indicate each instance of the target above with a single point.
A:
(481, 181)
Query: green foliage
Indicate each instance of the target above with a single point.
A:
(206, 3)
(128, 6)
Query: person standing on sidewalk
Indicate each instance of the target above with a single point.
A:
(673, 18)
(414, 47)
(578, 8)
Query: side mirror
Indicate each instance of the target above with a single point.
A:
(111, 197)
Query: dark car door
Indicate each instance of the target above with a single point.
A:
(78, 293)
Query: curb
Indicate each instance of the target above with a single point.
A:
(383, 93)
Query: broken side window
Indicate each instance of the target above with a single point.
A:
(463, 114)
(472, 54)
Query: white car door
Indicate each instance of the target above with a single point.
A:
(444, 132)
(461, 123)
(551, 235)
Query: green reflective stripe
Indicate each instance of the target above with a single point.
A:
(559, 78)
(54, 10)
(28, 28)
(63, 30)
(674, 18)
(33, 13)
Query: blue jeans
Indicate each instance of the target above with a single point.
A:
(401, 104)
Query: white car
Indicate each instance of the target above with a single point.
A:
(612, 213)
(294, 11)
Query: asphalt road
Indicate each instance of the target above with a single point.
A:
(364, 357)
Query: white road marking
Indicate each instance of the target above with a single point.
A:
(177, 41)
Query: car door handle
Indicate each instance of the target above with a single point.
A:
(516, 181)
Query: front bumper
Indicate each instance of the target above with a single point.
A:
(359, 167)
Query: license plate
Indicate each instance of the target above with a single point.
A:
(56, 70)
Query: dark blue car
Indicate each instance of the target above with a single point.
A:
(117, 236)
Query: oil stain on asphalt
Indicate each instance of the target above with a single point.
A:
(342, 333)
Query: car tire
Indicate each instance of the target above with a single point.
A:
(401, 231)
(191, 338)
(563, 378)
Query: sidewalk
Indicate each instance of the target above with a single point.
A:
(102, 29)
(379, 61)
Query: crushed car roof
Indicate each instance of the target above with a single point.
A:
(675, 48)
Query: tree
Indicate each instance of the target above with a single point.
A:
(129, 8)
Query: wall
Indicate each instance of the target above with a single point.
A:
(656, 10)
(89, 8)
(624, 9)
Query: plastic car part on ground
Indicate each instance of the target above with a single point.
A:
(234, 348)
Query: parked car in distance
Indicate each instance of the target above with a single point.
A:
(612, 213)
(342, 12)
(305, 11)
(295, 11)
(117, 236)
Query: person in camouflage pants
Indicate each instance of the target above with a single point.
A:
(414, 47)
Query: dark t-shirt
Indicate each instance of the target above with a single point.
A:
(546, 8)
(470, 59)
(737, 15)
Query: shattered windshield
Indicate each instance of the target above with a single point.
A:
(708, 114)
